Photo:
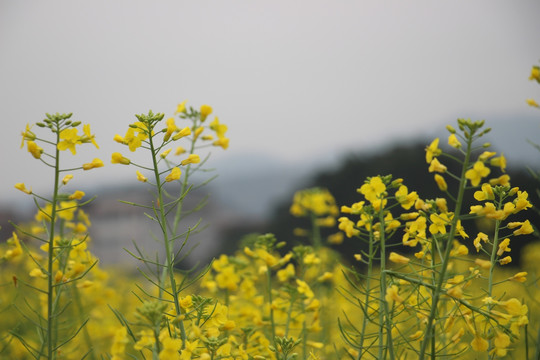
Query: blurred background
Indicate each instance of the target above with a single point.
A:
(314, 93)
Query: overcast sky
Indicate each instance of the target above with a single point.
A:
(293, 80)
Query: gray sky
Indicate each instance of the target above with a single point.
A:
(293, 80)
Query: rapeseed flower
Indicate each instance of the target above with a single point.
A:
(141, 177)
(181, 108)
(478, 171)
(77, 195)
(70, 139)
(118, 158)
(405, 198)
(436, 166)
(27, 135)
(96, 163)
(441, 183)
(88, 137)
(191, 159)
(182, 133)
(453, 141)
(205, 111)
(433, 150)
(174, 174)
(66, 179)
(533, 103)
(398, 259)
(535, 73)
(22, 187)
(525, 227)
(34, 149)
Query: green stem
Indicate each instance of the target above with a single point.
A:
(430, 334)
(368, 295)
(51, 318)
(273, 324)
(384, 313)
(169, 261)
(491, 272)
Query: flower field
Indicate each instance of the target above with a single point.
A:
(425, 282)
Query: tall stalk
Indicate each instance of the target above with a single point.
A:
(430, 333)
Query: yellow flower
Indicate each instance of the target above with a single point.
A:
(119, 139)
(335, 239)
(205, 111)
(532, 102)
(514, 307)
(325, 277)
(499, 161)
(34, 149)
(286, 273)
(22, 187)
(27, 135)
(441, 183)
(485, 194)
(484, 264)
(174, 175)
(303, 288)
(519, 277)
(117, 158)
(36, 272)
(78, 195)
(219, 128)
(501, 341)
(405, 198)
(223, 142)
(141, 177)
(171, 127)
(486, 155)
(398, 259)
(179, 151)
(436, 166)
(535, 73)
(392, 295)
(70, 139)
(373, 190)
(186, 302)
(66, 179)
(146, 338)
(504, 247)
(505, 260)
(478, 171)
(502, 180)
(438, 223)
(453, 141)
(96, 163)
(182, 133)
(347, 226)
(181, 108)
(164, 154)
(197, 132)
(170, 349)
(191, 159)
(479, 344)
(525, 227)
(480, 237)
(88, 137)
(433, 150)
(521, 202)
(135, 135)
